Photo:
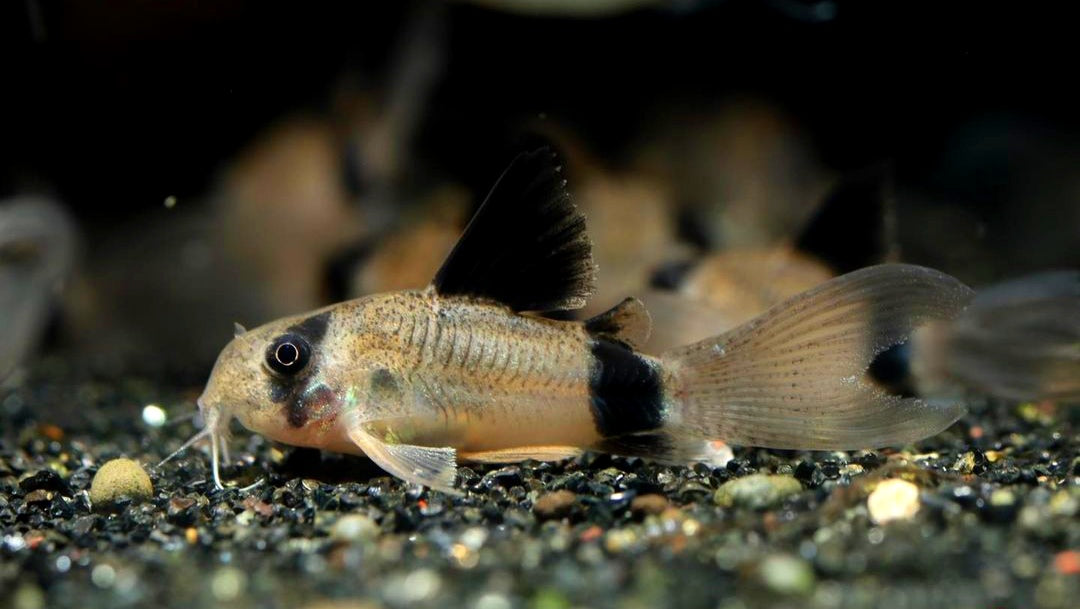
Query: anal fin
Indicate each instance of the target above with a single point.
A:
(523, 453)
(627, 322)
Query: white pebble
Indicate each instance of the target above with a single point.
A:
(419, 586)
(227, 583)
(14, 543)
(63, 564)
(354, 527)
(492, 600)
(893, 499)
(103, 576)
(154, 415)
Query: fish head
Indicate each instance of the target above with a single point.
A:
(278, 381)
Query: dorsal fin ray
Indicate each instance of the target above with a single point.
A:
(627, 322)
(526, 247)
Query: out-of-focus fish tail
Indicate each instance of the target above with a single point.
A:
(1018, 340)
(795, 376)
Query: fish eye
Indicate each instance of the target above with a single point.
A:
(288, 354)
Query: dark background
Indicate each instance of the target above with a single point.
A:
(117, 105)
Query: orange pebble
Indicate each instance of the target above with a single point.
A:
(591, 534)
(51, 432)
(1067, 562)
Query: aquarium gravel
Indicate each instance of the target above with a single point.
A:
(997, 522)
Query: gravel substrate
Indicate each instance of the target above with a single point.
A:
(995, 521)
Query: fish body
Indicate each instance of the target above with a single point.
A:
(469, 374)
(470, 369)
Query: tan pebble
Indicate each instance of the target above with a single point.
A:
(259, 507)
(354, 527)
(893, 499)
(1064, 504)
(965, 463)
(649, 504)
(852, 469)
(39, 496)
(757, 491)
(120, 478)
(554, 505)
(618, 540)
(673, 514)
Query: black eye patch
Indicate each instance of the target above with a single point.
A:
(288, 354)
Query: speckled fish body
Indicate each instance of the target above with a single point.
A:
(468, 374)
(467, 368)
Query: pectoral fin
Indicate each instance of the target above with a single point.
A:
(432, 467)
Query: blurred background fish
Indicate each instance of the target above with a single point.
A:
(716, 290)
(1019, 340)
(726, 155)
(37, 253)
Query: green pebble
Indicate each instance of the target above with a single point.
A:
(120, 478)
(549, 598)
(28, 596)
(757, 491)
(787, 575)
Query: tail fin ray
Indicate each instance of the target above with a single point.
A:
(794, 377)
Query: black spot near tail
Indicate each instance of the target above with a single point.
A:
(625, 390)
(891, 369)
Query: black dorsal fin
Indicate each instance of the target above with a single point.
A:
(627, 322)
(854, 227)
(526, 247)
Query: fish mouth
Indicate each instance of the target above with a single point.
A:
(216, 427)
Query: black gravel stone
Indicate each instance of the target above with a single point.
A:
(45, 479)
(323, 526)
(506, 477)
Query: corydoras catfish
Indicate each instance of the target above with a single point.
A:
(470, 369)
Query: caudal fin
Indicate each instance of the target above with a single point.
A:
(795, 376)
